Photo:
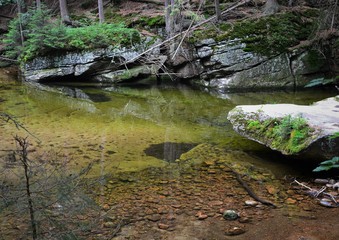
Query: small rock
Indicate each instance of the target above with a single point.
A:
(332, 181)
(290, 201)
(154, 218)
(230, 215)
(109, 225)
(163, 226)
(245, 220)
(326, 203)
(321, 181)
(209, 163)
(201, 216)
(106, 207)
(235, 231)
(272, 190)
(251, 203)
(336, 186)
(215, 203)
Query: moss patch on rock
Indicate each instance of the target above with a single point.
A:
(289, 134)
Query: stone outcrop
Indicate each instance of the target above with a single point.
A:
(103, 65)
(292, 129)
(226, 65)
(222, 66)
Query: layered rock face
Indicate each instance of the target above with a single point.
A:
(226, 65)
(103, 65)
(309, 131)
(223, 66)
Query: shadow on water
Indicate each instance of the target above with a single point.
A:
(168, 151)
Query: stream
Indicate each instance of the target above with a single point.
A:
(140, 133)
(130, 128)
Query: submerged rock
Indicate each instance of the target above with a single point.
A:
(291, 129)
(230, 215)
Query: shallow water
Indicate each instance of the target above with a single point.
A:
(131, 128)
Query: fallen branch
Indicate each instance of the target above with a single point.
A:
(188, 30)
(250, 191)
(8, 59)
(316, 193)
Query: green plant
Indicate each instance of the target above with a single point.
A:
(253, 124)
(322, 81)
(327, 165)
(41, 35)
(5, 2)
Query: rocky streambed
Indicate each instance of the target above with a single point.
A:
(191, 200)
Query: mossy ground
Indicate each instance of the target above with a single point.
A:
(269, 35)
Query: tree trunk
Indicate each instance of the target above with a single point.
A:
(167, 16)
(271, 7)
(64, 12)
(18, 3)
(38, 4)
(101, 11)
(217, 10)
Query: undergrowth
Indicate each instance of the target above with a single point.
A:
(41, 36)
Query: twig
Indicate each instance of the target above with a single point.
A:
(316, 193)
(8, 59)
(8, 118)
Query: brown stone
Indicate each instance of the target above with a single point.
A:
(201, 216)
(215, 203)
(290, 201)
(272, 190)
(154, 218)
(234, 231)
(163, 226)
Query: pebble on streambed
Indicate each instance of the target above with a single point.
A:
(230, 215)
(234, 231)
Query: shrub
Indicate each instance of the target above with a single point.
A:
(41, 35)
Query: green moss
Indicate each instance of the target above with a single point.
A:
(269, 35)
(151, 21)
(273, 34)
(289, 134)
(253, 124)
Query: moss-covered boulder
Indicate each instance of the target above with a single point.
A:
(309, 131)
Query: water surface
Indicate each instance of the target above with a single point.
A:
(130, 128)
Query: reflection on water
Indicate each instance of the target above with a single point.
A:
(129, 129)
(168, 151)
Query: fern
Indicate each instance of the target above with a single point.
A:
(327, 165)
(322, 81)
